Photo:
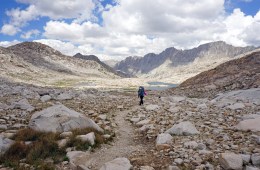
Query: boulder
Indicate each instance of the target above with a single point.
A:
(256, 159)
(90, 137)
(246, 159)
(230, 161)
(152, 107)
(64, 96)
(143, 122)
(23, 105)
(45, 98)
(249, 124)
(146, 168)
(173, 168)
(183, 128)
(191, 145)
(251, 168)
(236, 106)
(76, 158)
(117, 164)
(163, 140)
(5, 143)
(59, 118)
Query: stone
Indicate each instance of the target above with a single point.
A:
(45, 98)
(191, 145)
(66, 134)
(146, 168)
(163, 140)
(251, 168)
(178, 161)
(62, 143)
(90, 137)
(249, 124)
(246, 159)
(59, 118)
(152, 107)
(64, 96)
(250, 116)
(236, 106)
(117, 164)
(183, 128)
(173, 168)
(5, 143)
(177, 99)
(102, 117)
(23, 105)
(255, 159)
(3, 127)
(143, 122)
(75, 158)
(231, 161)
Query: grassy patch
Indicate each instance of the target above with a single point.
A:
(80, 145)
(33, 147)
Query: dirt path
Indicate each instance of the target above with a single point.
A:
(123, 144)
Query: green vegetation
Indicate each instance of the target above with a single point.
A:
(34, 147)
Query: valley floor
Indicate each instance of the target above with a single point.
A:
(204, 133)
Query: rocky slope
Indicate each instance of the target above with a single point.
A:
(36, 63)
(173, 65)
(96, 59)
(242, 73)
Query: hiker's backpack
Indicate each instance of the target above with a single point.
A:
(141, 91)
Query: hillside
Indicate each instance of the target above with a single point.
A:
(242, 73)
(175, 66)
(96, 59)
(33, 62)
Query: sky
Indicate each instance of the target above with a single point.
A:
(116, 29)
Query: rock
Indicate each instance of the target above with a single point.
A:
(66, 134)
(90, 137)
(201, 146)
(62, 143)
(173, 168)
(202, 106)
(45, 98)
(163, 140)
(152, 107)
(64, 96)
(3, 127)
(59, 118)
(146, 168)
(191, 145)
(183, 128)
(23, 105)
(231, 161)
(102, 117)
(236, 106)
(246, 159)
(117, 164)
(145, 128)
(5, 143)
(250, 124)
(76, 157)
(177, 99)
(143, 122)
(178, 161)
(250, 116)
(256, 159)
(251, 168)
(135, 119)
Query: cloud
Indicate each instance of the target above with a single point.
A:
(9, 29)
(79, 10)
(30, 34)
(8, 43)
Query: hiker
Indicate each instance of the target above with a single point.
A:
(141, 94)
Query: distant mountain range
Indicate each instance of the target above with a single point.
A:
(241, 73)
(173, 65)
(96, 59)
(36, 63)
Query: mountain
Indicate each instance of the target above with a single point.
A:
(242, 73)
(111, 63)
(36, 63)
(173, 65)
(96, 59)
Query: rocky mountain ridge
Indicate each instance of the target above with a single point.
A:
(242, 73)
(36, 63)
(173, 65)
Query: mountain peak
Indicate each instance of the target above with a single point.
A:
(36, 47)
